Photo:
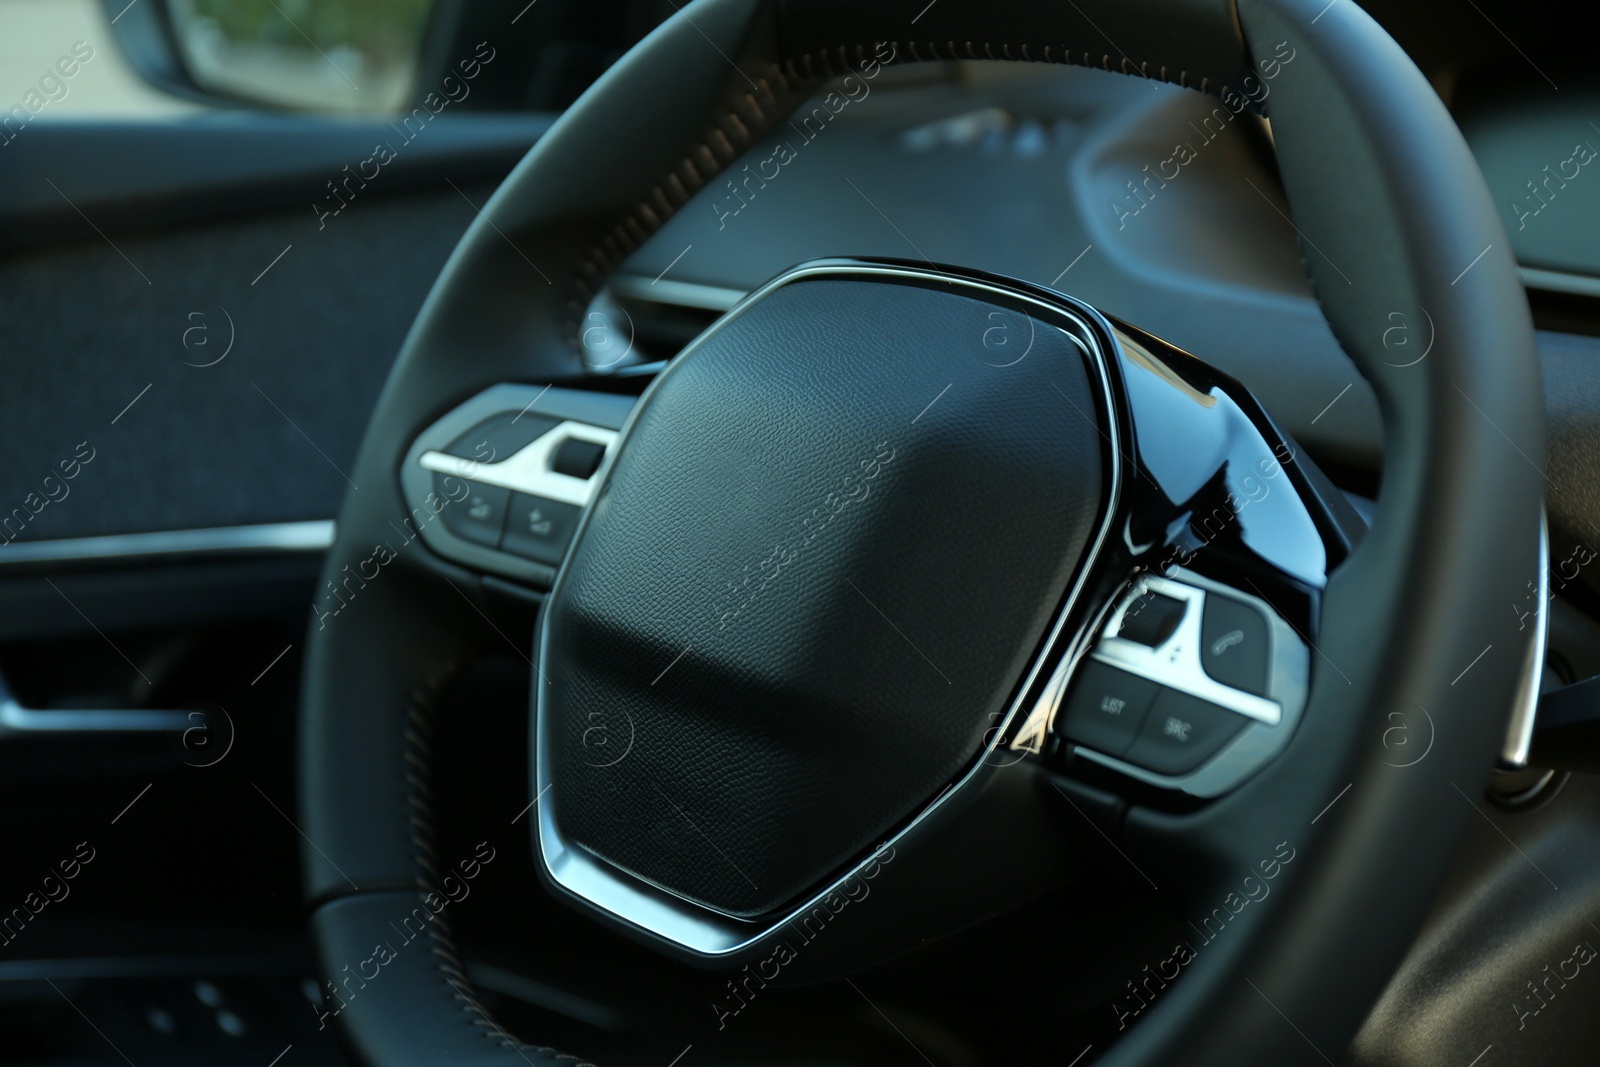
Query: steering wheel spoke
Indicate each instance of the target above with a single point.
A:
(1197, 673)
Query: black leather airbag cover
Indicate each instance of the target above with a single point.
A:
(834, 538)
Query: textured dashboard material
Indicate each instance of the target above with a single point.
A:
(832, 541)
(1572, 431)
(265, 434)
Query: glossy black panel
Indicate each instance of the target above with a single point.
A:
(1210, 490)
(1215, 488)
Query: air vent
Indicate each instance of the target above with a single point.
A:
(636, 324)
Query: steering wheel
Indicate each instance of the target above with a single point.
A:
(881, 606)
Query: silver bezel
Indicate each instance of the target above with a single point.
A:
(1525, 710)
(273, 538)
(600, 413)
(1274, 717)
(692, 926)
(530, 469)
(1175, 663)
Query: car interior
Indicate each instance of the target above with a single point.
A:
(799, 532)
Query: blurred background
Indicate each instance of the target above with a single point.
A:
(35, 33)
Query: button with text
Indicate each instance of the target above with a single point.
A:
(1182, 732)
(1106, 707)
(539, 529)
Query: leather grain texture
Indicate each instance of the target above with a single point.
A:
(382, 954)
(1572, 391)
(833, 540)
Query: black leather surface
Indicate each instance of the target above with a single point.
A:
(380, 950)
(1572, 386)
(363, 668)
(809, 596)
(1405, 218)
(1453, 542)
(1507, 918)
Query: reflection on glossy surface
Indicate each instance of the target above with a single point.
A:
(1213, 479)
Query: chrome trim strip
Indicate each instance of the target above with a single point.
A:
(1524, 712)
(270, 960)
(683, 294)
(655, 910)
(1260, 742)
(16, 720)
(314, 535)
(1559, 281)
(529, 470)
(723, 298)
(1176, 662)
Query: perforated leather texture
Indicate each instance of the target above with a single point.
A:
(832, 542)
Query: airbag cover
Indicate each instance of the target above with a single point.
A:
(834, 538)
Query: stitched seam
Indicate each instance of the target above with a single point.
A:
(777, 93)
(417, 774)
(726, 137)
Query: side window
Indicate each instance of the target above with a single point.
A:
(62, 61)
(307, 55)
(156, 59)
(159, 59)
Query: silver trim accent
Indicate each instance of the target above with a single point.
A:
(1259, 742)
(1176, 662)
(528, 471)
(280, 959)
(314, 535)
(590, 409)
(683, 294)
(691, 926)
(1559, 281)
(1525, 710)
(18, 721)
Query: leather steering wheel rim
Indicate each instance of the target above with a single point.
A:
(1454, 538)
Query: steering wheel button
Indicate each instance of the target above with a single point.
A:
(1107, 707)
(1151, 619)
(1182, 732)
(577, 459)
(498, 439)
(1234, 646)
(539, 529)
(477, 517)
